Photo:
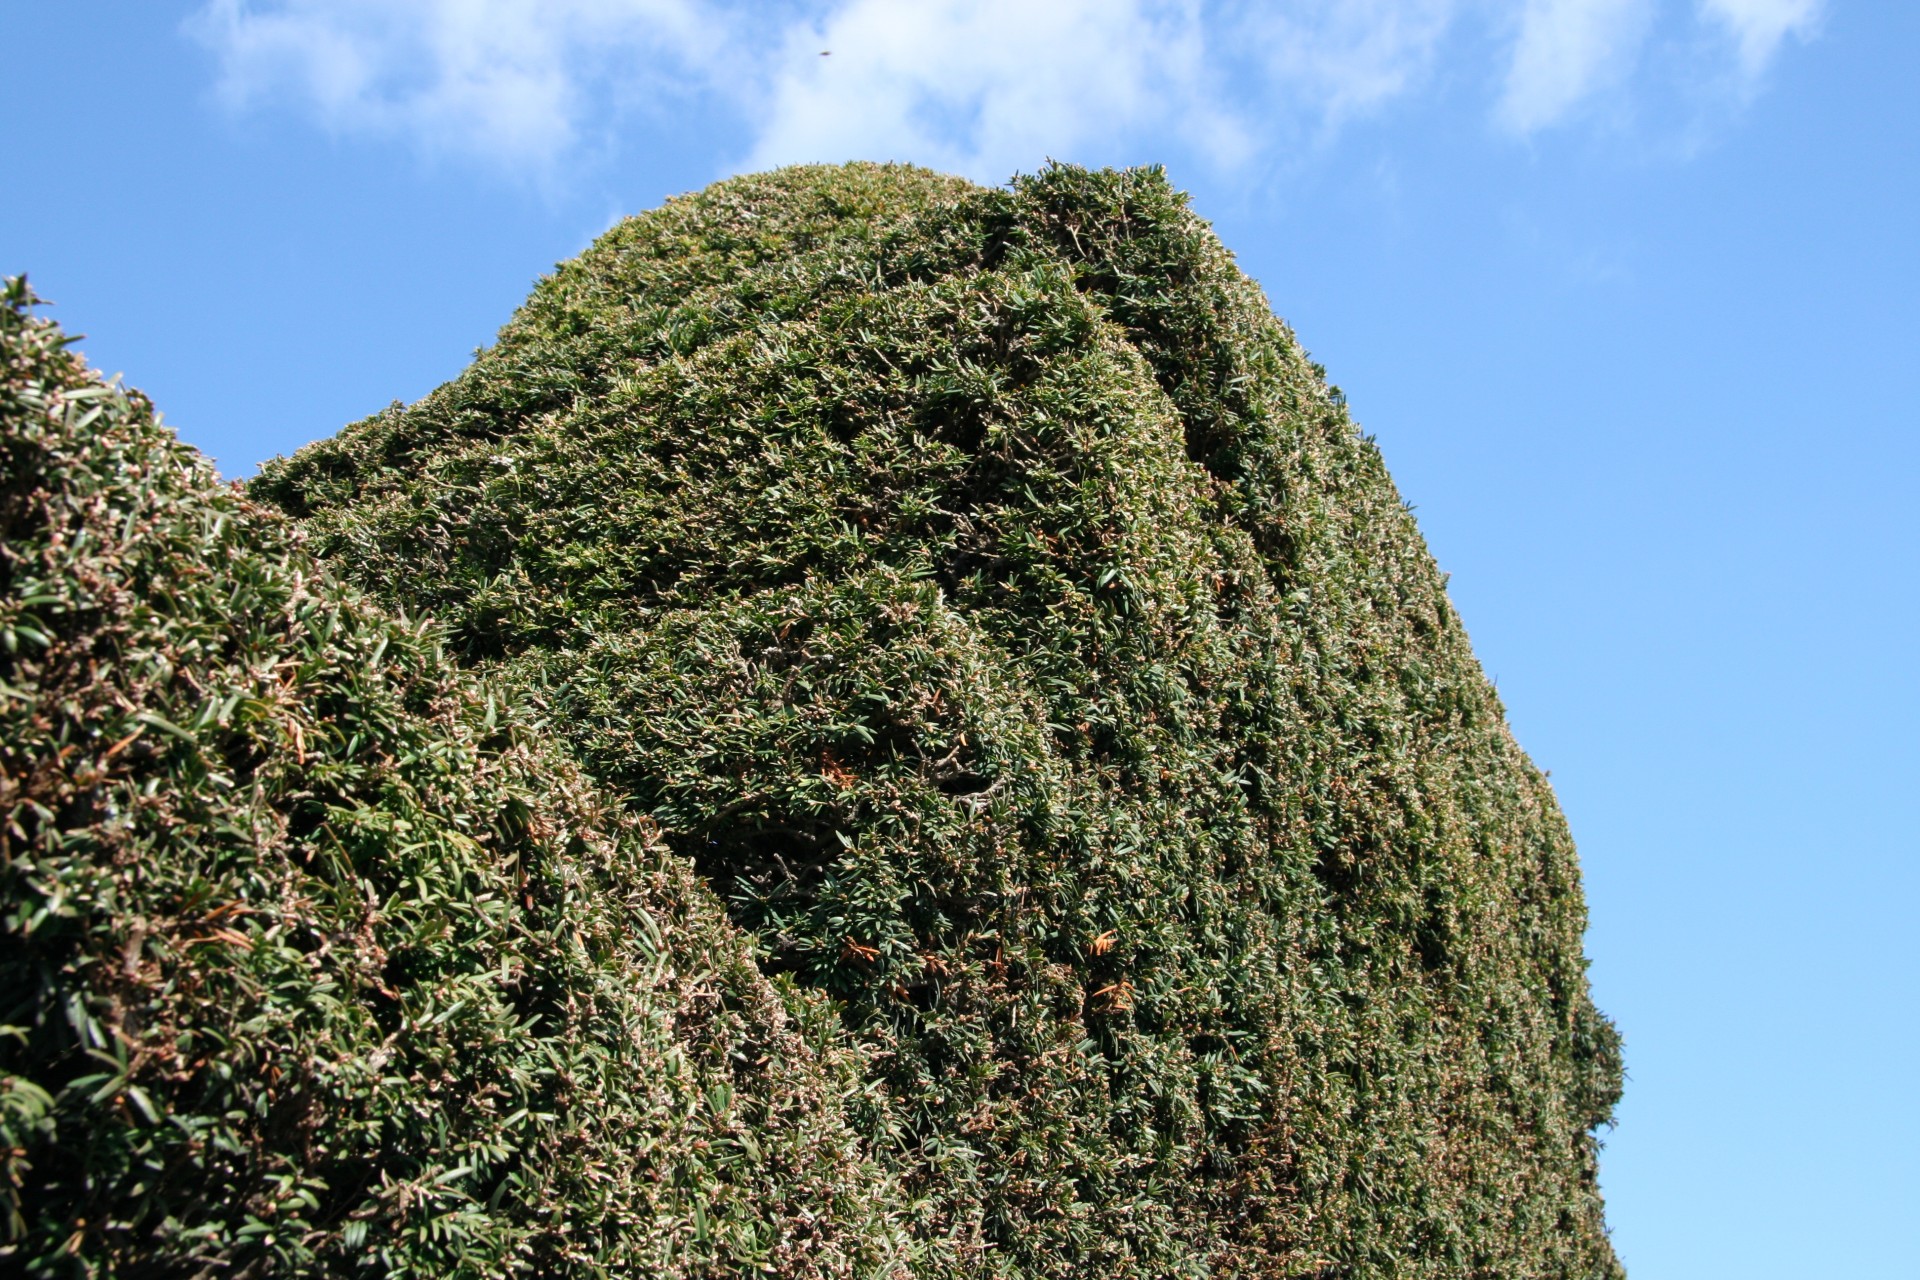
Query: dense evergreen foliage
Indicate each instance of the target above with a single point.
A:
(315, 961)
(984, 593)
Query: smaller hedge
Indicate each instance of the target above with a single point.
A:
(313, 963)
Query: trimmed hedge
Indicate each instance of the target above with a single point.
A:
(315, 959)
(986, 595)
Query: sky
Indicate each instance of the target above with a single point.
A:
(1627, 290)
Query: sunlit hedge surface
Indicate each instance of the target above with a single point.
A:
(316, 961)
(987, 597)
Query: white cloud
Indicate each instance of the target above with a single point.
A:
(512, 80)
(1566, 51)
(1758, 27)
(1344, 57)
(986, 86)
(979, 86)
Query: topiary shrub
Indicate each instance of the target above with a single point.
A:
(986, 595)
(316, 960)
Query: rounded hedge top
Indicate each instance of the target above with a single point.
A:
(989, 598)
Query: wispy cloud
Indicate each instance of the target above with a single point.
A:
(514, 81)
(985, 86)
(1566, 51)
(1760, 27)
(978, 86)
(1339, 58)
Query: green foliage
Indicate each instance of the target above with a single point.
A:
(983, 591)
(314, 961)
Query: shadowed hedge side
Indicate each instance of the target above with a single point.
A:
(315, 961)
(986, 594)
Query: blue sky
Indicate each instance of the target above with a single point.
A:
(1628, 290)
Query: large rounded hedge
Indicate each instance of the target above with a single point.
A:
(983, 592)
